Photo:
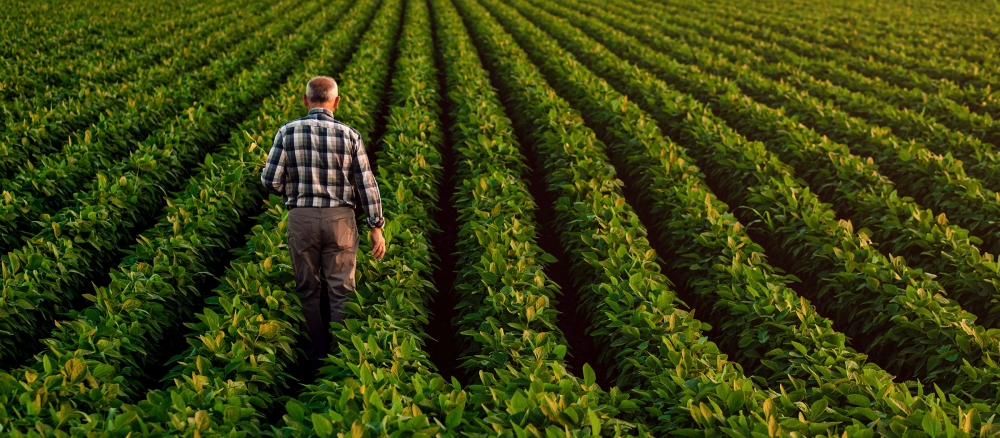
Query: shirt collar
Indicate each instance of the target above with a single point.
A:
(325, 111)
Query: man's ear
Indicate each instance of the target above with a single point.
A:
(336, 102)
(305, 100)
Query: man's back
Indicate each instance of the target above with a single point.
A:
(316, 161)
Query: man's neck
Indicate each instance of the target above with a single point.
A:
(312, 107)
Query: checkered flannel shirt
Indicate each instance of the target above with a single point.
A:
(317, 161)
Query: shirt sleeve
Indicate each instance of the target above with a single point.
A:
(364, 181)
(273, 175)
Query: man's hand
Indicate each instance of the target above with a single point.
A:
(378, 243)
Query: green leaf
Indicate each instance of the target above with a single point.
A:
(818, 408)
(232, 414)
(454, 417)
(595, 424)
(904, 154)
(735, 401)
(560, 351)
(931, 425)
(793, 424)
(74, 368)
(202, 420)
(859, 400)
(294, 409)
(518, 402)
(322, 425)
(34, 262)
(589, 377)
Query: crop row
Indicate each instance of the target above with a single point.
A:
(932, 63)
(926, 239)
(43, 50)
(48, 89)
(661, 170)
(959, 33)
(947, 62)
(63, 25)
(829, 120)
(48, 184)
(35, 123)
(627, 129)
(42, 278)
(943, 109)
(652, 345)
(858, 192)
(515, 341)
(767, 324)
(244, 369)
(381, 375)
(973, 379)
(38, 130)
(237, 375)
(44, 30)
(58, 24)
(899, 71)
(878, 104)
(843, 262)
(196, 221)
(506, 300)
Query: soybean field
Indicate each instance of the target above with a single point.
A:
(638, 218)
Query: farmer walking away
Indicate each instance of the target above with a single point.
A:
(317, 164)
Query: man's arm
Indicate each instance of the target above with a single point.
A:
(364, 180)
(273, 175)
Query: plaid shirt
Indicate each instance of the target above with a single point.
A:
(314, 161)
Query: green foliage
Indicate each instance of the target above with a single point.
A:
(160, 286)
(655, 347)
(935, 180)
(47, 183)
(958, 66)
(781, 107)
(382, 383)
(912, 113)
(799, 225)
(55, 99)
(80, 240)
(663, 169)
(507, 303)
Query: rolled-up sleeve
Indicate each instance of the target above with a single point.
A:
(273, 175)
(364, 181)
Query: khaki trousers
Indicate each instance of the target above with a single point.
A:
(323, 243)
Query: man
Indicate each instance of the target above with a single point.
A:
(316, 163)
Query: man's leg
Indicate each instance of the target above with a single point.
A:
(340, 249)
(305, 247)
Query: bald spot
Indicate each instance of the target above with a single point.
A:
(321, 89)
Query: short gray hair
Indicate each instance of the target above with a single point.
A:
(321, 89)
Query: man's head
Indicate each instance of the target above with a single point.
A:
(321, 92)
